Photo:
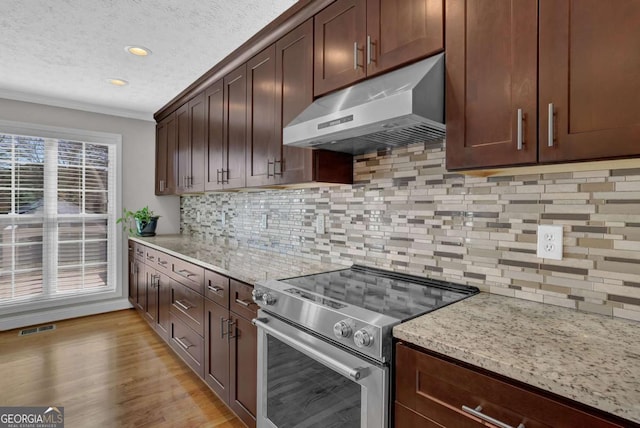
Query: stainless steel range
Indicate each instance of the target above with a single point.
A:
(325, 347)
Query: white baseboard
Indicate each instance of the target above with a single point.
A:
(44, 316)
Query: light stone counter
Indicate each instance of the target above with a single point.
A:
(592, 359)
(239, 262)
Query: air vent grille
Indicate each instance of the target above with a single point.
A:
(34, 330)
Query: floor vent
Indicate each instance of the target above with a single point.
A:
(34, 330)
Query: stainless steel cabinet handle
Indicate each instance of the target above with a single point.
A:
(185, 345)
(230, 324)
(215, 289)
(185, 273)
(477, 412)
(223, 179)
(182, 305)
(368, 50)
(269, 163)
(354, 373)
(276, 162)
(162, 262)
(222, 332)
(245, 303)
(550, 124)
(520, 130)
(355, 55)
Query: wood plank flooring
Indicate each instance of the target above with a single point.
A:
(108, 370)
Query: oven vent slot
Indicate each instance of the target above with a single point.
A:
(34, 330)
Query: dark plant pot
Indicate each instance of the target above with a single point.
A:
(147, 229)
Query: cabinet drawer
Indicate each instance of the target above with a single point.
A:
(187, 273)
(241, 301)
(150, 256)
(188, 344)
(188, 305)
(216, 288)
(138, 251)
(163, 262)
(437, 389)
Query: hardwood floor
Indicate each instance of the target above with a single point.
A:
(108, 370)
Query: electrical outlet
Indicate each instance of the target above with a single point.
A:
(198, 217)
(223, 218)
(549, 242)
(320, 224)
(263, 221)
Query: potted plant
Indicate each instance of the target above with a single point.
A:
(145, 220)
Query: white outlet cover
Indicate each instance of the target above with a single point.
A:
(549, 242)
(264, 221)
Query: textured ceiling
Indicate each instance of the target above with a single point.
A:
(61, 52)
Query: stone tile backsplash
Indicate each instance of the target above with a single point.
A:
(405, 212)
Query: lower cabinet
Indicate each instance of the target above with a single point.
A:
(231, 351)
(435, 392)
(205, 318)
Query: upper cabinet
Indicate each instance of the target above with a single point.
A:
(165, 152)
(589, 79)
(215, 145)
(235, 128)
(190, 144)
(528, 84)
(359, 38)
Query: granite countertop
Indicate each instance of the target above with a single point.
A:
(590, 358)
(237, 261)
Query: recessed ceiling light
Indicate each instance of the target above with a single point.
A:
(118, 82)
(138, 50)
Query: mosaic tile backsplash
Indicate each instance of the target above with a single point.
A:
(405, 212)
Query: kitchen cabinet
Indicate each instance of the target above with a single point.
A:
(165, 156)
(191, 128)
(527, 85)
(264, 146)
(226, 131)
(355, 39)
(441, 392)
(231, 345)
(294, 93)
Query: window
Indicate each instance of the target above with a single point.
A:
(57, 218)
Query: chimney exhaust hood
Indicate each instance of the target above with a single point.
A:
(397, 108)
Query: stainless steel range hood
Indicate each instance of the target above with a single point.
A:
(398, 108)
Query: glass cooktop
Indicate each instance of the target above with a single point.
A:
(396, 295)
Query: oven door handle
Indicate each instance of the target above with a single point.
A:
(354, 373)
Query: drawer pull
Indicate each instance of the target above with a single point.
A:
(185, 345)
(150, 257)
(477, 412)
(215, 289)
(162, 262)
(182, 305)
(229, 326)
(246, 302)
(185, 273)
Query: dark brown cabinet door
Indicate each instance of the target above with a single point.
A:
(214, 100)
(589, 79)
(197, 135)
(166, 155)
(183, 147)
(401, 31)
(340, 36)
(151, 295)
(294, 77)
(243, 369)
(141, 286)
(216, 352)
(264, 147)
(235, 127)
(491, 83)
(164, 302)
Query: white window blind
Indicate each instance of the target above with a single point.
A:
(57, 217)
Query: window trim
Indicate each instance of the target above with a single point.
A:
(61, 133)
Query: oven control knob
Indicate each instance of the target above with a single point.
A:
(363, 338)
(268, 299)
(257, 295)
(342, 329)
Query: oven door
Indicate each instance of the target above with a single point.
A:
(304, 381)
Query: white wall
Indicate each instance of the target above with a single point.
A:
(138, 155)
